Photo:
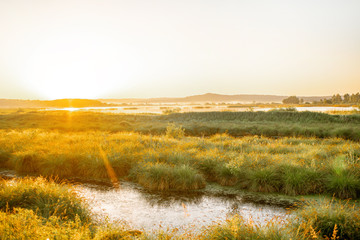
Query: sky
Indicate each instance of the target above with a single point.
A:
(145, 48)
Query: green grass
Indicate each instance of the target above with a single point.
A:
(270, 124)
(160, 176)
(43, 209)
(328, 219)
(26, 224)
(290, 166)
(238, 228)
(45, 198)
(293, 153)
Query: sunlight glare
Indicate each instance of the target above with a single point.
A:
(80, 67)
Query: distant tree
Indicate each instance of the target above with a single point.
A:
(346, 98)
(291, 100)
(328, 101)
(336, 99)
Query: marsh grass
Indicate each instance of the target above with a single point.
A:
(36, 208)
(265, 180)
(45, 198)
(23, 223)
(329, 219)
(270, 124)
(160, 176)
(342, 181)
(163, 156)
(286, 165)
(238, 228)
(301, 181)
(4, 158)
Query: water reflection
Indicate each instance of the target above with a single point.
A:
(149, 210)
(157, 109)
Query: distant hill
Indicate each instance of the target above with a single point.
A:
(59, 103)
(212, 97)
(208, 97)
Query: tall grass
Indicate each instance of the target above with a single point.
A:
(160, 176)
(238, 228)
(23, 223)
(286, 165)
(271, 124)
(43, 197)
(42, 209)
(328, 219)
(343, 182)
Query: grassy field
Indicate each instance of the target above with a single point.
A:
(269, 124)
(292, 153)
(173, 161)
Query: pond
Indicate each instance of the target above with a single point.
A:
(149, 210)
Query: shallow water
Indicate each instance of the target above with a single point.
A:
(158, 109)
(147, 210)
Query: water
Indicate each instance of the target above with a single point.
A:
(158, 109)
(147, 210)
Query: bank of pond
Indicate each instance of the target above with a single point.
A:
(39, 208)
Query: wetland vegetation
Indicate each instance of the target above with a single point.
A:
(285, 152)
(275, 123)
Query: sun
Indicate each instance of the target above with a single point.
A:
(75, 67)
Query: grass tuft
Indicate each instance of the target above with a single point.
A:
(161, 176)
(328, 218)
(45, 198)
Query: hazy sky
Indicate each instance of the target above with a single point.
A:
(114, 48)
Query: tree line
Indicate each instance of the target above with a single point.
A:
(347, 98)
(335, 99)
